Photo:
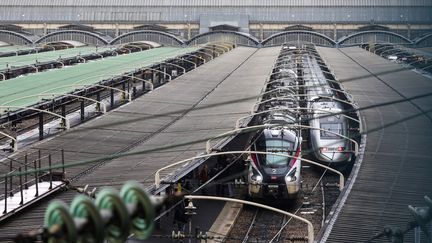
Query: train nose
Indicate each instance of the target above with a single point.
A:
(273, 190)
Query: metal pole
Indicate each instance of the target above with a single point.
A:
(5, 206)
(10, 181)
(25, 169)
(50, 170)
(63, 161)
(39, 158)
(124, 89)
(82, 110)
(21, 186)
(190, 227)
(98, 98)
(63, 113)
(417, 237)
(36, 179)
(41, 135)
(112, 99)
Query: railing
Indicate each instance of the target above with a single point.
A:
(26, 178)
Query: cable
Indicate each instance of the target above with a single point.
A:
(109, 157)
(365, 132)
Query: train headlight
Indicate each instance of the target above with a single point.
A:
(256, 176)
(290, 177)
(323, 149)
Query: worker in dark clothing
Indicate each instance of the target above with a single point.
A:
(203, 177)
(180, 218)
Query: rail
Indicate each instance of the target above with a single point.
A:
(310, 227)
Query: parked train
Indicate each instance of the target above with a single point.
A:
(330, 147)
(275, 175)
(298, 83)
(271, 175)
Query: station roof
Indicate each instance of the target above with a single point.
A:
(68, 42)
(12, 90)
(13, 48)
(207, 3)
(24, 60)
(4, 44)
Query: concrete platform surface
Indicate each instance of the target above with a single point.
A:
(184, 110)
(396, 169)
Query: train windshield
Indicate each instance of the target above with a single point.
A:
(333, 128)
(276, 146)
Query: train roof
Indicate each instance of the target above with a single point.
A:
(279, 133)
(328, 105)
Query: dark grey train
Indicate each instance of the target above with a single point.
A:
(275, 175)
(270, 175)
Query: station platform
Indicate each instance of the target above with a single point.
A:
(395, 169)
(200, 104)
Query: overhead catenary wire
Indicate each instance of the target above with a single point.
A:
(251, 98)
(114, 156)
(396, 122)
(378, 128)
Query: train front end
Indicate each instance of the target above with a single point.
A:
(275, 175)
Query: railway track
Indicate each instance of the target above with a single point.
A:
(318, 194)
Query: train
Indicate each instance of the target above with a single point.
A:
(271, 175)
(329, 147)
(297, 84)
(275, 175)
